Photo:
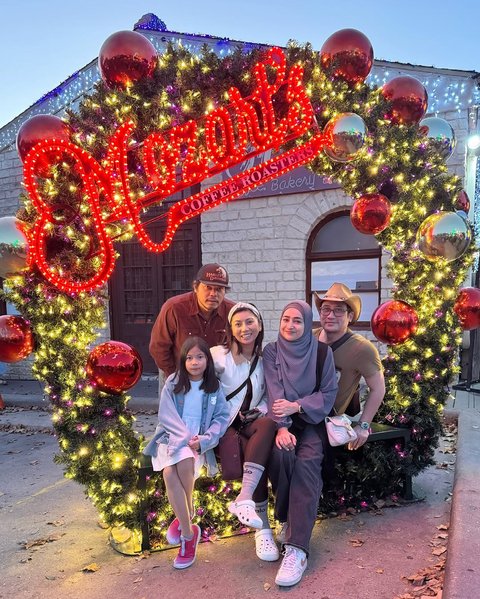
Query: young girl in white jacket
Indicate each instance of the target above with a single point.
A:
(192, 416)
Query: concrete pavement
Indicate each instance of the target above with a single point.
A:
(26, 408)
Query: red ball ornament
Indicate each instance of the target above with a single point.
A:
(394, 322)
(126, 57)
(16, 338)
(114, 366)
(467, 308)
(41, 127)
(371, 213)
(408, 100)
(347, 54)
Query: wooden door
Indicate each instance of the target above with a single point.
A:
(142, 281)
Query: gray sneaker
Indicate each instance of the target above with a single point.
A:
(292, 568)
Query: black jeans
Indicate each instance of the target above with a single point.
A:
(296, 478)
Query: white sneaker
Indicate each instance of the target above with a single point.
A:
(292, 568)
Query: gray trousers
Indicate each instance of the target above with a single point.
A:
(296, 478)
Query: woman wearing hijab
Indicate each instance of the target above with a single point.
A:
(301, 388)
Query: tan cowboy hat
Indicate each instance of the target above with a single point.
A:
(339, 292)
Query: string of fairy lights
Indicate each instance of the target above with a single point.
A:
(99, 447)
(447, 92)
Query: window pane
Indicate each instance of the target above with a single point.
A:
(357, 274)
(339, 235)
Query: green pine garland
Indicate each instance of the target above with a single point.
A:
(98, 446)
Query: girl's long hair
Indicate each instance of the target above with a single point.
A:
(230, 338)
(210, 382)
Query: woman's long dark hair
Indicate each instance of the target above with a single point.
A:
(210, 382)
(230, 338)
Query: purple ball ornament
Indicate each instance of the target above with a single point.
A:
(389, 189)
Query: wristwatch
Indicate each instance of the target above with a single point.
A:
(300, 409)
(364, 425)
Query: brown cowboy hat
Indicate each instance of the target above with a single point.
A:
(339, 292)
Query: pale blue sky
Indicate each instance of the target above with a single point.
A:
(44, 41)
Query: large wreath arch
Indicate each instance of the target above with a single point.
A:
(99, 448)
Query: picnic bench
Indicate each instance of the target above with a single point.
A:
(379, 432)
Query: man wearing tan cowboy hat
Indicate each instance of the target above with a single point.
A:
(200, 313)
(354, 356)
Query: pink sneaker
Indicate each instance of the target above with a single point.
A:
(173, 532)
(188, 549)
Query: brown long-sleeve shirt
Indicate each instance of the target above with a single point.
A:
(179, 318)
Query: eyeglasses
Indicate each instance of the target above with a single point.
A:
(325, 311)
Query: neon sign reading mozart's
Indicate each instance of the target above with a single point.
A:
(175, 159)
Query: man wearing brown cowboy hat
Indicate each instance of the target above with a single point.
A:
(200, 313)
(354, 356)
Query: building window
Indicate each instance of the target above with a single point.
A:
(336, 251)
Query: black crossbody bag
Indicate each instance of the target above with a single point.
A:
(253, 365)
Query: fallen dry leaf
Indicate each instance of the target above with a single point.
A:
(267, 586)
(144, 555)
(439, 550)
(42, 541)
(356, 542)
(379, 570)
(93, 567)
